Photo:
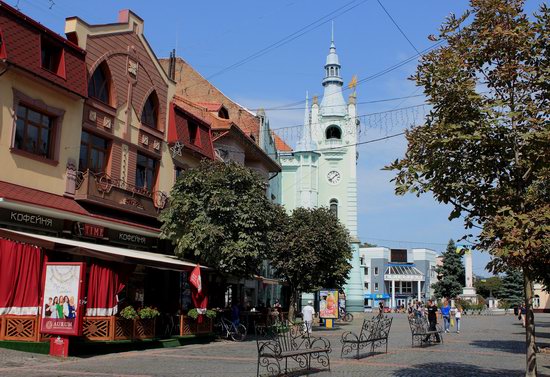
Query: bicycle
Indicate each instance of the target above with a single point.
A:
(345, 316)
(227, 329)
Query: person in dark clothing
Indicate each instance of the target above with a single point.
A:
(431, 308)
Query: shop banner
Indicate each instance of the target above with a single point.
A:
(61, 309)
(328, 303)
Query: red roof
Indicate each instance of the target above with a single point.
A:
(45, 199)
(21, 49)
(211, 106)
(181, 112)
(280, 144)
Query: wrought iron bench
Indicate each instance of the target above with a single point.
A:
(420, 331)
(374, 333)
(285, 340)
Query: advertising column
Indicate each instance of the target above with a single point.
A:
(61, 304)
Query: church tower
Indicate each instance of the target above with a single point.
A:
(322, 169)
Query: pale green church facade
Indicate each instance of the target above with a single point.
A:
(322, 170)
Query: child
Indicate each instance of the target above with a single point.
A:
(458, 315)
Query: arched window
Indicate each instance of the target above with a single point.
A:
(99, 86)
(149, 115)
(536, 302)
(333, 132)
(334, 207)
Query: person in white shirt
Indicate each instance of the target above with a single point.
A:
(458, 315)
(307, 314)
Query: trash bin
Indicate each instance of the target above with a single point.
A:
(59, 346)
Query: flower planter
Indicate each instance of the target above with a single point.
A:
(189, 326)
(134, 328)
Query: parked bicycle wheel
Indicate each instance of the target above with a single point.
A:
(348, 317)
(239, 333)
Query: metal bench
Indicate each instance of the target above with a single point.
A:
(284, 340)
(420, 331)
(374, 333)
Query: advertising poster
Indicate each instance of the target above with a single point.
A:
(61, 311)
(328, 303)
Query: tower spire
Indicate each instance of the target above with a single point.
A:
(306, 143)
(333, 102)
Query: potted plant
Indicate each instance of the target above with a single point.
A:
(145, 324)
(124, 324)
(191, 324)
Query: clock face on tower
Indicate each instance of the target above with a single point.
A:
(334, 177)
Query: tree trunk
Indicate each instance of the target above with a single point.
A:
(294, 295)
(531, 367)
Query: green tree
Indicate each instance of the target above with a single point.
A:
(450, 275)
(311, 250)
(512, 287)
(219, 215)
(489, 287)
(482, 146)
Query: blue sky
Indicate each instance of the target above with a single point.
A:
(213, 35)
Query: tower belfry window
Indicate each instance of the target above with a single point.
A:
(333, 132)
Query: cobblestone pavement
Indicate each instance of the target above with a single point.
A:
(486, 346)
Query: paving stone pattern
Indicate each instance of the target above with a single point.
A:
(486, 346)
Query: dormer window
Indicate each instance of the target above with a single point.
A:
(149, 115)
(333, 133)
(99, 84)
(223, 113)
(51, 56)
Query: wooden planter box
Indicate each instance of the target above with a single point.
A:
(117, 328)
(19, 327)
(189, 326)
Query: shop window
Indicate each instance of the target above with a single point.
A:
(334, 207)
(34, 132)
(333, 132)
(93, 153)
(376, 287)
(146, 171)
(51, 56)
(149, 115)
(99, 85)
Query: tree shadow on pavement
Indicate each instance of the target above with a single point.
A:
(454, 370)
(512, 346)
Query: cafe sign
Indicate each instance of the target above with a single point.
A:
(30, 220)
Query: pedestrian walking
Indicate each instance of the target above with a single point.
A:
(523, 314)
(458, 316)
(446, 314)
(381, 308)
(431, 309)
(307, 315)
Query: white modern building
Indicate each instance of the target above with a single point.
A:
(397, 276)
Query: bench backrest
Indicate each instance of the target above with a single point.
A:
(375, 328)
(418, 325)
(286, 335)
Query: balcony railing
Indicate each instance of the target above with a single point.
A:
(102, 189)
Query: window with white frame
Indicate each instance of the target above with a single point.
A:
(376, 271)
(376, 286)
